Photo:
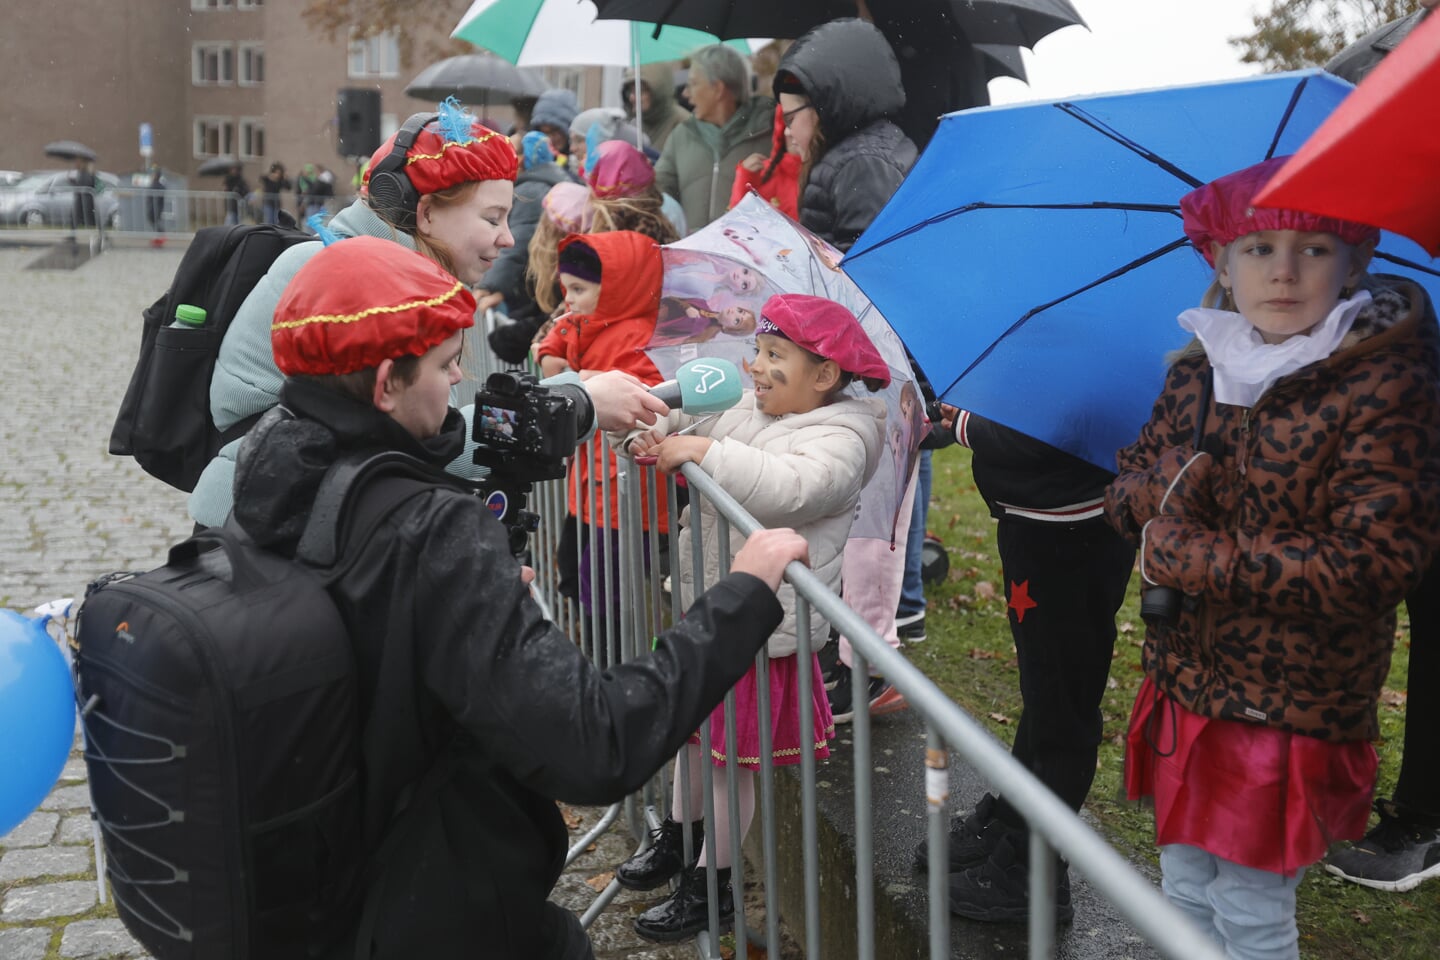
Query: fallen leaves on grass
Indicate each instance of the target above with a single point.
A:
(1360, 917)
(600, 881)
(977, 653)
(572, 819)
(999, 718)
(1126, 627)
(1394, 699)
(985, 590)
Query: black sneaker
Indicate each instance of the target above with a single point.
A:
(686, 911)
(972, 838)
(997, 890)
(880, 697)
(1396, 855)
(663, 859)
(910, 627)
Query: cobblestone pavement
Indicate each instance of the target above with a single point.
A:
(70, 512)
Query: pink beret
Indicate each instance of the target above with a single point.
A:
(1222, 211)
(826, 329)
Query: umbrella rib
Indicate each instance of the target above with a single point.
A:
(1104, 129)
(1285, 120)
(1118, 271)
(1170, 208)
(1408, 264)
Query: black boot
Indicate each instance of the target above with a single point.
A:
(660, 861)
(687, 912)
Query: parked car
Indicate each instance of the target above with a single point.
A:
(46, 198)
(8, 178)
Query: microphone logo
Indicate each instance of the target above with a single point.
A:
(710, 376)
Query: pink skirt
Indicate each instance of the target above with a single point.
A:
(1247, 793)
(784, 717)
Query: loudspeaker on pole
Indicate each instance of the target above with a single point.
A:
(357, 121)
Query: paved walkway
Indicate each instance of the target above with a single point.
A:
(70, 512)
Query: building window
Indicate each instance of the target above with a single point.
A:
(212, 63)
(252, 138)
(377, 56)
(252, 63)
(214, 136)
(213, 4)
(249, 4)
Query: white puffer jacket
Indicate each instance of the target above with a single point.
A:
(800, 470)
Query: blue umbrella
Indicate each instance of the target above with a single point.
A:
(1034, 260)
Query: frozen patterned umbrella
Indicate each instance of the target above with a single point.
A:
(1034, 259)
(715, 282)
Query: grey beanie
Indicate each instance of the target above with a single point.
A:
(554, 108)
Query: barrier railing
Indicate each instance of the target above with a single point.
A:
(115, 212)
(1053, 827)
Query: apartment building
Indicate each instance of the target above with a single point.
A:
(247, 78)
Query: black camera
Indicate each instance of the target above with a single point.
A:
(524, 432)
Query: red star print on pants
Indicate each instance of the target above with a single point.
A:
(1020, 599)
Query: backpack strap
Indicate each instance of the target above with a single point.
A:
(357, 494)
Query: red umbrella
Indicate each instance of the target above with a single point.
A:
(1375, 159)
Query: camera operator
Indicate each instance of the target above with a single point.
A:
(464, 684)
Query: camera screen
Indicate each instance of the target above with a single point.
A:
(498, 424)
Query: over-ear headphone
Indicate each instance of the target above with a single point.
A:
(392, 195)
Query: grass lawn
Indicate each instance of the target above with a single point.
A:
(971, 657)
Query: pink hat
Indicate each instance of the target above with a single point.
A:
(567, 205)
(826, 329)
(620, 171)
(1222, 211)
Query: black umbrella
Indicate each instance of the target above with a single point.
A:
(1001, 60)
(69, 150)
(1015, 22)
(1358, 59)
(217, 166)
(474, 78)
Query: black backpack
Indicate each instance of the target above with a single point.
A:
(220, 703)
(164, 421)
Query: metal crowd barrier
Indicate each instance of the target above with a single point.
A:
(1053, 826)
(125, 212)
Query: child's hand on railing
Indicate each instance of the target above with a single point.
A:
(675, 452)
(767, 553)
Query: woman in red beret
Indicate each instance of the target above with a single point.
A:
(1285, 496)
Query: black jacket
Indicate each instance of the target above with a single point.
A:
(1022, 478)
(452, 650)
(853, 80)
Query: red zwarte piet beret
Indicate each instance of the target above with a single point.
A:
(1222, 211)
(433, 163)
(826, 329)
(363, 300)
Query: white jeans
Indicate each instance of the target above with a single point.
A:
(1248, 912)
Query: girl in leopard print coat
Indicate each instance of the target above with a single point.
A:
(1287, 487)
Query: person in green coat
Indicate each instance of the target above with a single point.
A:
(697, 165)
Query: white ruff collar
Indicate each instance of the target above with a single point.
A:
(1245, 365)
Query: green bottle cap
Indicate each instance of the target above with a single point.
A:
(194, 316)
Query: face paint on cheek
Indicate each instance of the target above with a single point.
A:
(779, 378)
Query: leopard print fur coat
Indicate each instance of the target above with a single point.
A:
(1294, 541)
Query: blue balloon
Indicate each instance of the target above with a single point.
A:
(37, 716)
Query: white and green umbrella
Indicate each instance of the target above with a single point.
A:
(538, 32)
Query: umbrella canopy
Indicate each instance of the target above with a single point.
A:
(474, 78)
(69, 150)
(1038, 280)
(726, 271)
(536, 32)
(217, 166)
(1015, 22)
(1376, 158)
(1357, 60)
(1001, 60)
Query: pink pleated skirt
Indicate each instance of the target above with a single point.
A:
(785, 708)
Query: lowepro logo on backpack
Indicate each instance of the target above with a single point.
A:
(164, 421)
